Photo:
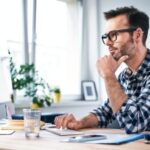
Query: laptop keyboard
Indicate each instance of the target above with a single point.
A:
(63, 132)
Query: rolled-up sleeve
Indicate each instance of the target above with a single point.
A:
(134, 115)
(104, 114)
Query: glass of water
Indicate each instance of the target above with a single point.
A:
(32, 122)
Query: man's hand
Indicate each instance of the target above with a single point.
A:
(70, 122)
(67, 121)
(107, 65)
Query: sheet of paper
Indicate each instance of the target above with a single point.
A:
(6, 132)
(3, 121)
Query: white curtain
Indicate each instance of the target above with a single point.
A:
(90, 41)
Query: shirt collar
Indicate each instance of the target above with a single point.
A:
(142, 68)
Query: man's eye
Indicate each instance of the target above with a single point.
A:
(112, 35)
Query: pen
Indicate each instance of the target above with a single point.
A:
(61, 128)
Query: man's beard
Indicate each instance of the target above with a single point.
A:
(125, 49)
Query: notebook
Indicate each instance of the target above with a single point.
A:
(113, 139)
(63, 132)
(120, 138)
(15, 125)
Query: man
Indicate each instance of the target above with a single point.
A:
(129, 95)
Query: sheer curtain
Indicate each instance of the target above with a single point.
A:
(90, 41)
(66, 47)
(11, 29)
(58, 44)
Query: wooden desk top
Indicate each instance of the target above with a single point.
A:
(49, 141)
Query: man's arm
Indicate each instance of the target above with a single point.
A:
(88, 121)
(107, 67)
(115, 92)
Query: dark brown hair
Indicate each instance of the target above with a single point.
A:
(135, 17)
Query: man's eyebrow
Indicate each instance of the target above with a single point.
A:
(110, 31)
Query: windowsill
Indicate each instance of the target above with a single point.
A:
(64, 103)
(75, 103)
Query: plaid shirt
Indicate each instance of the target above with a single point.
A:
(134, 114)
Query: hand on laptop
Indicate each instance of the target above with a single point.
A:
(68, 121)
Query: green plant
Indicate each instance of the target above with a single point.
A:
(56, 94)
(56, 90)
(25, 77)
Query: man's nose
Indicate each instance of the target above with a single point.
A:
(108, 42)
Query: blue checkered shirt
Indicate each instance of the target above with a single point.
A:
(134, 114)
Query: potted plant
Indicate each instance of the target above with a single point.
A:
(27, 79)
(56, 95)
(40, 92)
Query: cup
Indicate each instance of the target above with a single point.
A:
(32, 122)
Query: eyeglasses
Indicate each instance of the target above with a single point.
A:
(112, 35)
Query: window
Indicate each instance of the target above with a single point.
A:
(11, 28)
(58, 44)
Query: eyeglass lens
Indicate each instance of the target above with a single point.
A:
(112, 36)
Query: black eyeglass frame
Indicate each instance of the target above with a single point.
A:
(107, 35)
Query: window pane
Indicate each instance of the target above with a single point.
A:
(59, 44)
(11, 28)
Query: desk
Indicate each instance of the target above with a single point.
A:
(49, 141)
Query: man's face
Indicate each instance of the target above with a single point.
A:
(124, 43)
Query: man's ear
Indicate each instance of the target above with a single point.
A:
(138, 34)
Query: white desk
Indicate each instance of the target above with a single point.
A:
(49, 141)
